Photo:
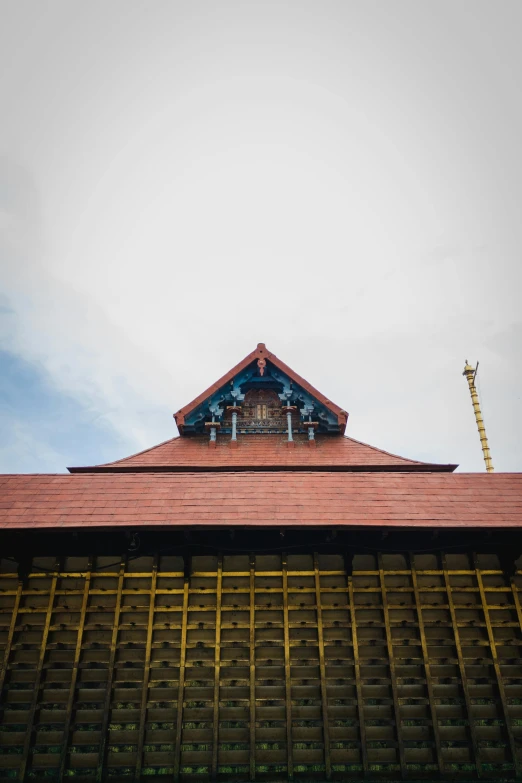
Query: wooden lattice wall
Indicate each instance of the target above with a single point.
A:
(265, 667)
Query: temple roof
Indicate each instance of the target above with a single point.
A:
(263, 452)
(285, 498)
(263, 478)
(262, 381)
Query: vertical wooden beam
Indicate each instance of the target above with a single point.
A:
(358, 683)
(393, 676)
(462, 667)
(146, 672)
(516, 598)
(182, 666)
(74, 674)
(217, 668)
(110, 674)
(252, 646)
(427, 667)
(288, 681)
(496, 666)
(10, 635)
(22, 772)
(322, 668)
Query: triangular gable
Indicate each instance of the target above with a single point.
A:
(258, 367)
(264, 439)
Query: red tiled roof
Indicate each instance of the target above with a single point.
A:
(261, 499)
(261, 352)
(262, 452)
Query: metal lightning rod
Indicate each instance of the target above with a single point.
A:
(470, 374)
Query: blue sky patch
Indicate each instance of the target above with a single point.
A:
(46, 430)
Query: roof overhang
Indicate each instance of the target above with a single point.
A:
(421, 467)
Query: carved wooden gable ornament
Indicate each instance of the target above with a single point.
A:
(261, 395)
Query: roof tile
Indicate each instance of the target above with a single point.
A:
(262, 498)
(263, 451)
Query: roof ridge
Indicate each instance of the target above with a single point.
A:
(136, 454)
(388, 453)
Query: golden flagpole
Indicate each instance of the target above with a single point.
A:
(470, 374)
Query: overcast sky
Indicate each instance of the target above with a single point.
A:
(182, 180)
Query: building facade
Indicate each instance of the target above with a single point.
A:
(261, 598)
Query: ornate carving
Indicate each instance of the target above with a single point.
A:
(261, 412)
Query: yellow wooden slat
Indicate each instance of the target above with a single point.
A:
(462, 667)
(217, 668)
(252, 662)
(10, 634)
(182, 666)
(516, 598)
(358, 682)
(496, 666)
(74, 675)
(288, 681)
(427, 668)
(146, 672)
(322, 669)
(110, 676)
(391, 663)
(22, 772)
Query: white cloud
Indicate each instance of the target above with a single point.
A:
(340, 181)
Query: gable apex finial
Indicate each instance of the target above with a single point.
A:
(261, 347)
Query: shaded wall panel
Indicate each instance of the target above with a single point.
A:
(264, 666)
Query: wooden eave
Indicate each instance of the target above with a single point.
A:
(423, 467)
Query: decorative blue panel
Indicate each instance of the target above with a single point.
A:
(261, 391)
